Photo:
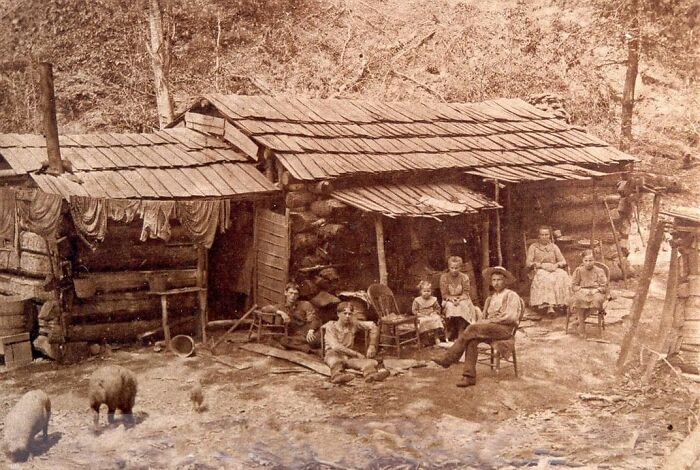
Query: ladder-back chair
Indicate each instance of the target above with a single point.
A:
(395, 330)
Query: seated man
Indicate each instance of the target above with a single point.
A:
(339, 340)
(302, 318)
(501, 315)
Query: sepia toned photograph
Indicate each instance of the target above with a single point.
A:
(350, 234)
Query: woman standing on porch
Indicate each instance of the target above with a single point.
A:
(550, 285)
(457, 306)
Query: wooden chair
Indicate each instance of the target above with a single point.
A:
(323, 339)
(266, 325)
(488, 350)
(599, 314)
(395, 330)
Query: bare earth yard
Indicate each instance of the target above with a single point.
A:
(257, 417)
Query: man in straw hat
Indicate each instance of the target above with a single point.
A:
(501, 314)
(339, 340)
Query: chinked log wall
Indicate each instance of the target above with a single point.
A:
(113, 299)
(572, 208)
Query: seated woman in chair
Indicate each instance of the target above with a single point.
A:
(457, 305)
(550, 285)
(589, 286)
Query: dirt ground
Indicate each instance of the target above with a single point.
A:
(257, 417)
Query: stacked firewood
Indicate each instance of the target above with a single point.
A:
(551, 103)
(318, 229)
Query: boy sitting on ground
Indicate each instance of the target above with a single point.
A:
(339, 340)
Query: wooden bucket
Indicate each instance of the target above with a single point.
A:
(13, 317)
(691, 332)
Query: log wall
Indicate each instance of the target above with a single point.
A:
(113, 299)
(574, 208)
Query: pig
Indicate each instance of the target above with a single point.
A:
(114, 386)
(30, 415)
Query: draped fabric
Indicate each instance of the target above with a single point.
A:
(89, 216)
(8, 209)
(156, 219)
(39, 212)
(123, 210)
(225, 216)
(200, 219)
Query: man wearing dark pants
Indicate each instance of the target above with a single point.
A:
(501, 314)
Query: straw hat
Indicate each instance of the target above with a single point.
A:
(510, 279)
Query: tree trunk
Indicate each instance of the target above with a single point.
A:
(159, 50)
(630, 77)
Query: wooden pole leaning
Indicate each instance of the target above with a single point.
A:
(640, 297)
(381, 253)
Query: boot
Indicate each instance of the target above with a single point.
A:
(466, 381)
(342, 378)
(378, 376)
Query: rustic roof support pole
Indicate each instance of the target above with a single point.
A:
(594, 209)
(381, 254)
(510, 228)
(666, 323)
(48, 112)
(656, 236)
(202, 293)
(617, 243)
(485, 261)
(498, 223)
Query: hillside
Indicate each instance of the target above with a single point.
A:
(389, 49)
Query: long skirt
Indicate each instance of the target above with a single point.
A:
(550, 288)
(465, 309)
(587, 298)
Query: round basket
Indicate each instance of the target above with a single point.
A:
(182, 345)
(158, 282)
(586, 243)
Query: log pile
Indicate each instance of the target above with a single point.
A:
(551, 103)
(319, 226)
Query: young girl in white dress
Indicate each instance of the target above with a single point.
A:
(427, 308)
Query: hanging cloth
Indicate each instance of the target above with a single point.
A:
(89, 216)
(39, 212)
(123, 210)
(8, 209)
(156, 219)
(200, 219)
(225, 215)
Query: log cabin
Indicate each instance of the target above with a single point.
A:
(386, 191)
(130, 222)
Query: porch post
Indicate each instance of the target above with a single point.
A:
(484, 252)
(381, 254)
(498, 224)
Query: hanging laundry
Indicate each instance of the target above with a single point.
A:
(8, 209)
(39, 212)
(89, 216)
(123, 210)
(200, 219)
(156, 219)
(225, 215)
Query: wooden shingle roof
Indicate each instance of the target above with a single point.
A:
(415, 200)
(324, 139)
(168, 164)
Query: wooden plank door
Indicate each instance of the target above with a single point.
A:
(272, 245)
